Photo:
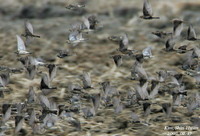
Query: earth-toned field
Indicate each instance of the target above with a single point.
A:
(52, 21)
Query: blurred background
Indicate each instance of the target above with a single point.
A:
(52, 21)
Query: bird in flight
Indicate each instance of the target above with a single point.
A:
(147, 11)
(21, 48)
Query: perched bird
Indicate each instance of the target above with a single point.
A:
(147, 11)
(28, 31)
(21, 48)
(191, 34)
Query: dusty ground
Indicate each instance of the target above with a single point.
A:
(51, 20)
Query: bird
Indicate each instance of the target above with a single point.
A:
(170, 43)
(52, 71)
(118, 60)
(6, 110)
(4, 79)
(64, 53)
(147, 11)
(146, 108)
(123, 45)
(177, 27)
(138, 72)
(31, 71)
(28, 31)
(85, 77)
(31, 97)
(155, 85)
(191, 34)
(147, 52)
(75, 7)
(19, 120)
(45, 84)
(85, 25)
(21, 48)
(162, 34)
(167, 109)
(93, 22)
(75, 37)
(141, 90)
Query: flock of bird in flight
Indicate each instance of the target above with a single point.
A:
(110, 96)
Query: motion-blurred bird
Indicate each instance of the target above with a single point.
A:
(85, 77)
(75, 37)
(147, 11)
(75, 7)
(170, 43)
(28, 31)
(191, 34)
(4, 79)
(31, 71)
(147, 52)
(21, 48)
(118, 60)
(18, 123)
(177, 27)
(45, 85)
(64, 53)
(161, 34)
(52, 71)
(146, 108)
(167, 109)
(31, 97)
(6, 110)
